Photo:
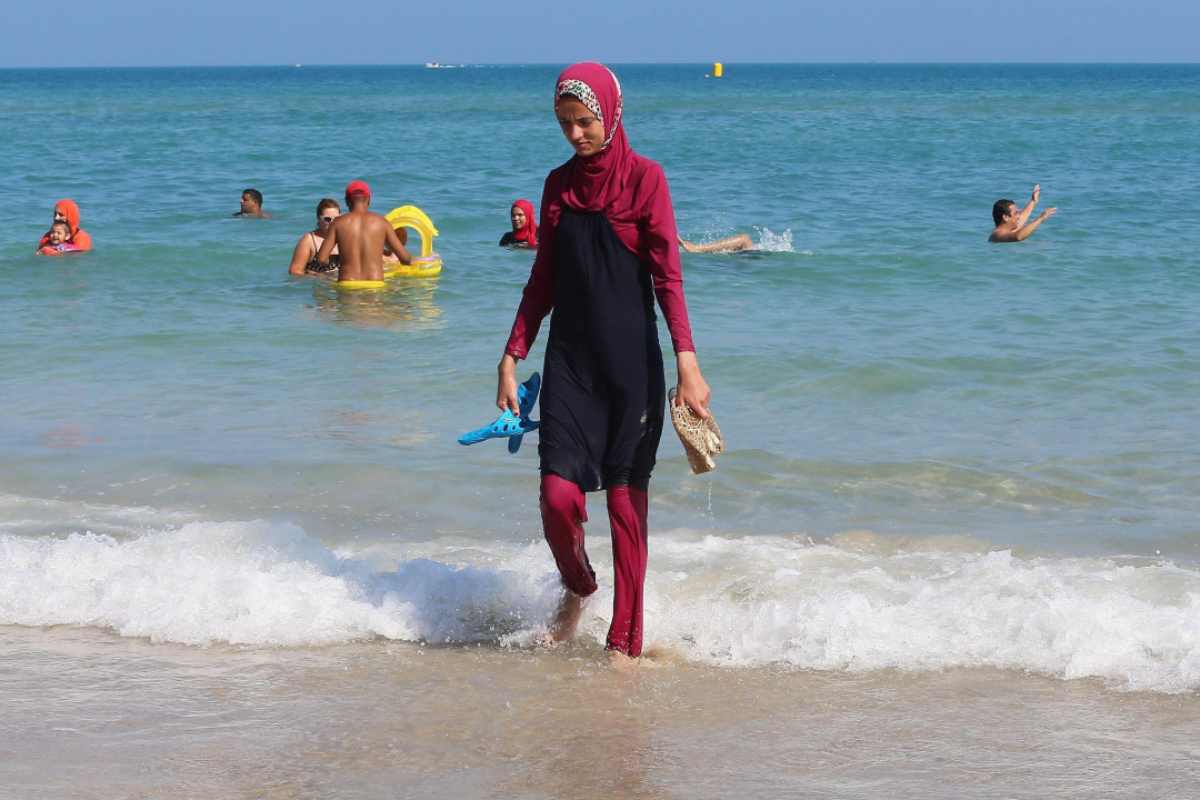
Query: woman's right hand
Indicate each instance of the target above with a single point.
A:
(506, 385)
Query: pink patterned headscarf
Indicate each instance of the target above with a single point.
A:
(598, 182)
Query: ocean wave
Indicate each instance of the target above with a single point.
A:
(735, 602)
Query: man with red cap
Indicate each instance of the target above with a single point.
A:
(360, 236)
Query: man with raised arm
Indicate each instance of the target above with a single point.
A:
(360, 237)
(1011, 224)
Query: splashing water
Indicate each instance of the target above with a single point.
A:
(771, 242)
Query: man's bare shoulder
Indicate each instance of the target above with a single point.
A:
(367, 221)
(352, 221)
(1002, 236)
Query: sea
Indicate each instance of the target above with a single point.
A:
(952, 549)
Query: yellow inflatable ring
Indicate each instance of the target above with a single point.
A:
(361, 285)
(418, 220)
(429, 267)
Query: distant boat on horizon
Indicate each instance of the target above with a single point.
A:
(436, 65)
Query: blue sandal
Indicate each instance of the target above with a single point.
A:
(509, 425)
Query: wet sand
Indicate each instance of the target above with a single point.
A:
(92, 715)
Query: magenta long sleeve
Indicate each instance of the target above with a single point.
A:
(650, 232)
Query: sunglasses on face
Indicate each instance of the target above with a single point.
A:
(328, 219)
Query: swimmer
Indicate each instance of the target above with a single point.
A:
(360, 237)
(252, 201)
(524, 226)
(67, 211)
(730, 244)
(59, 240)
(304, 257)
(1010, 223)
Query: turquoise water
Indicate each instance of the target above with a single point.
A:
(887, 370)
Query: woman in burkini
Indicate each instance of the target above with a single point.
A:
(79, 242)
(524, 227)
(607, 237)
(304, 257)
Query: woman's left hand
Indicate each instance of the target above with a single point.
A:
(692, 389)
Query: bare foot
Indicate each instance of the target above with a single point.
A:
(570, 609)
(658, 656)
(621, 662)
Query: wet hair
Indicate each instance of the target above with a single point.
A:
(1000, 210)
(327, 202)
(63, 223)
(255, 194)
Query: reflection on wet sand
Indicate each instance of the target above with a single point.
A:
(403, 305)
(374, 719)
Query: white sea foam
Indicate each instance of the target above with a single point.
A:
(757, 600)
(733, 602)
(258, 583)
(774, 242)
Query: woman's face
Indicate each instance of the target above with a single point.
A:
(327, 216)
(518, 218)
(580, 126)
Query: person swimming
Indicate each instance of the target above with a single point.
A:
(1013, 224)
(524, 226)
(252, 205)
(730, 244)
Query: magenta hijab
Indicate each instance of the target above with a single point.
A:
(632, 194)
(628, 189)
(598, 182)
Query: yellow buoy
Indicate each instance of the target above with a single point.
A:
(718, 69)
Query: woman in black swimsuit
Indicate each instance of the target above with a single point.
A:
(304, 257)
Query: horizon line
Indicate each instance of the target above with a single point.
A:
(622, 63)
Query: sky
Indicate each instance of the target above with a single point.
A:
(253, 32)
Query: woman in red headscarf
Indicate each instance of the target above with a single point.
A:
(524, 227)
(608, 247)
(66, 211)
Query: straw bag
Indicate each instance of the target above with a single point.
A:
(701, 438)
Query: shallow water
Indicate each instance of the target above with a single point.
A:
(953, 541)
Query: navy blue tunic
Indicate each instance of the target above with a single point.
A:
(603, 390)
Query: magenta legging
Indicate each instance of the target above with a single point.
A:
(563, 514)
